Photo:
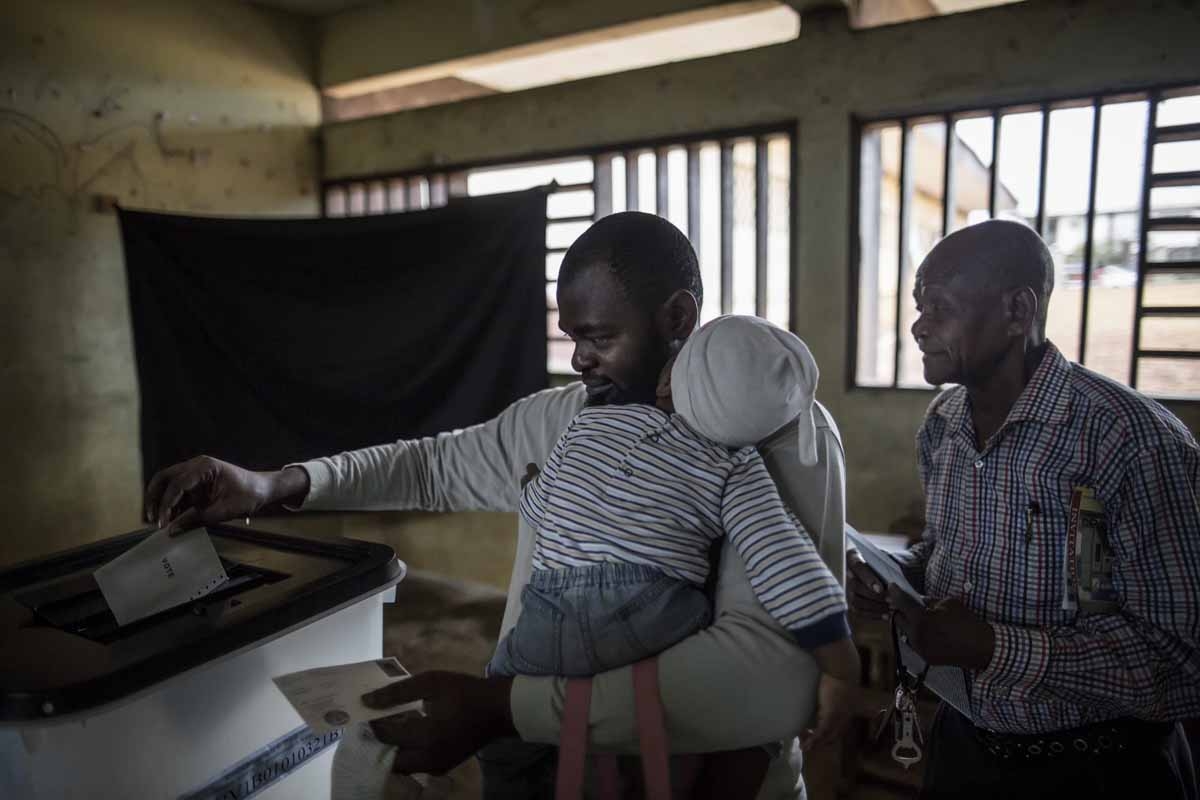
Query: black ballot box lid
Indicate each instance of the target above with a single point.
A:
(62, 652)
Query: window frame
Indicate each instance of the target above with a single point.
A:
(759, 134)
(996, 109)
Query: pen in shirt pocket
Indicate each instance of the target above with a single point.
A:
(1032, 511)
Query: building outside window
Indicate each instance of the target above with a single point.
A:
(1125, 238)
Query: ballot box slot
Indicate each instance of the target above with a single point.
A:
(64, 653)
(74, 604)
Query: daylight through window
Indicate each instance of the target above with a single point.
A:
(1113, 185)
(731, 194)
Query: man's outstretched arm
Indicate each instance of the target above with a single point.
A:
(477, 468)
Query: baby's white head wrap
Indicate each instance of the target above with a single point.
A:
(739, 379)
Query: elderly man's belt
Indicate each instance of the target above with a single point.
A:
(1089, 741)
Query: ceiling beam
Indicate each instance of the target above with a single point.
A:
(387, 45)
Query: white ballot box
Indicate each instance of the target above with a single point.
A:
(181, 704)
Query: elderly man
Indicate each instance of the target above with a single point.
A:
(1061, 556)
(629, 294)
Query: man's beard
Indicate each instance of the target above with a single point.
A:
(617, 396)
(642, 391)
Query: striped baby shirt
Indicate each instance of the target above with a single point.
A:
(634, 484)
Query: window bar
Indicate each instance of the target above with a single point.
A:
(693, 196)
(906, 188)
(663, 199)
(726, 227)
(334, 201)
(1045, 157)
(1171, 311)
(762, 186)
(1143, 236)
(867, 215)
(631, 181)
(438, 195)
(456, 185)
(369, 198)
(994, 170)
(414, 193)
(356, 203)
(602, 193)
(1179, 354)
(948, 187)
(794, 231)
(398, 195)
(1089, 234)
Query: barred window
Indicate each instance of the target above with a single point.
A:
(731, 193)
(1112, 183)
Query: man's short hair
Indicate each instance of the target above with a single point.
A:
(1003, 254)
(648, 256)
(1019, 257)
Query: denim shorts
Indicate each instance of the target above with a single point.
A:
(581, 621)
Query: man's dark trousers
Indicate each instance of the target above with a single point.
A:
(1156, 765)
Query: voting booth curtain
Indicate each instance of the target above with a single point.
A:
(267, 341)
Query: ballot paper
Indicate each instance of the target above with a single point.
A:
(884, 565)
(160, 572)
(948, 683)
(331, 697)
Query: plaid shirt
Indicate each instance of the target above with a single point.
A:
(997, 522)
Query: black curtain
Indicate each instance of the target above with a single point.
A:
(268, 341)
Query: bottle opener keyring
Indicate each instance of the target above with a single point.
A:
(906, 753)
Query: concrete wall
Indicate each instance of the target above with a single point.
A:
(1032, 49)
(81, 84)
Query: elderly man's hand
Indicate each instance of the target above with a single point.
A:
(462, 714)
(864, 589)
(946, 632)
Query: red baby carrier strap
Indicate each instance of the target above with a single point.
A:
(652, 737)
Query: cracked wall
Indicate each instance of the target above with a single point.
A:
(191, 107)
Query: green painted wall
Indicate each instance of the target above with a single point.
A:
(81, 85)
(1035, 48)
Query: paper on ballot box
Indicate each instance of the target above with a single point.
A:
(331, 697)
(158, 573)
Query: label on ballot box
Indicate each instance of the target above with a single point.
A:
(331, 697)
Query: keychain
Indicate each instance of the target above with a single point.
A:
(906, 751)
(906, 725)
